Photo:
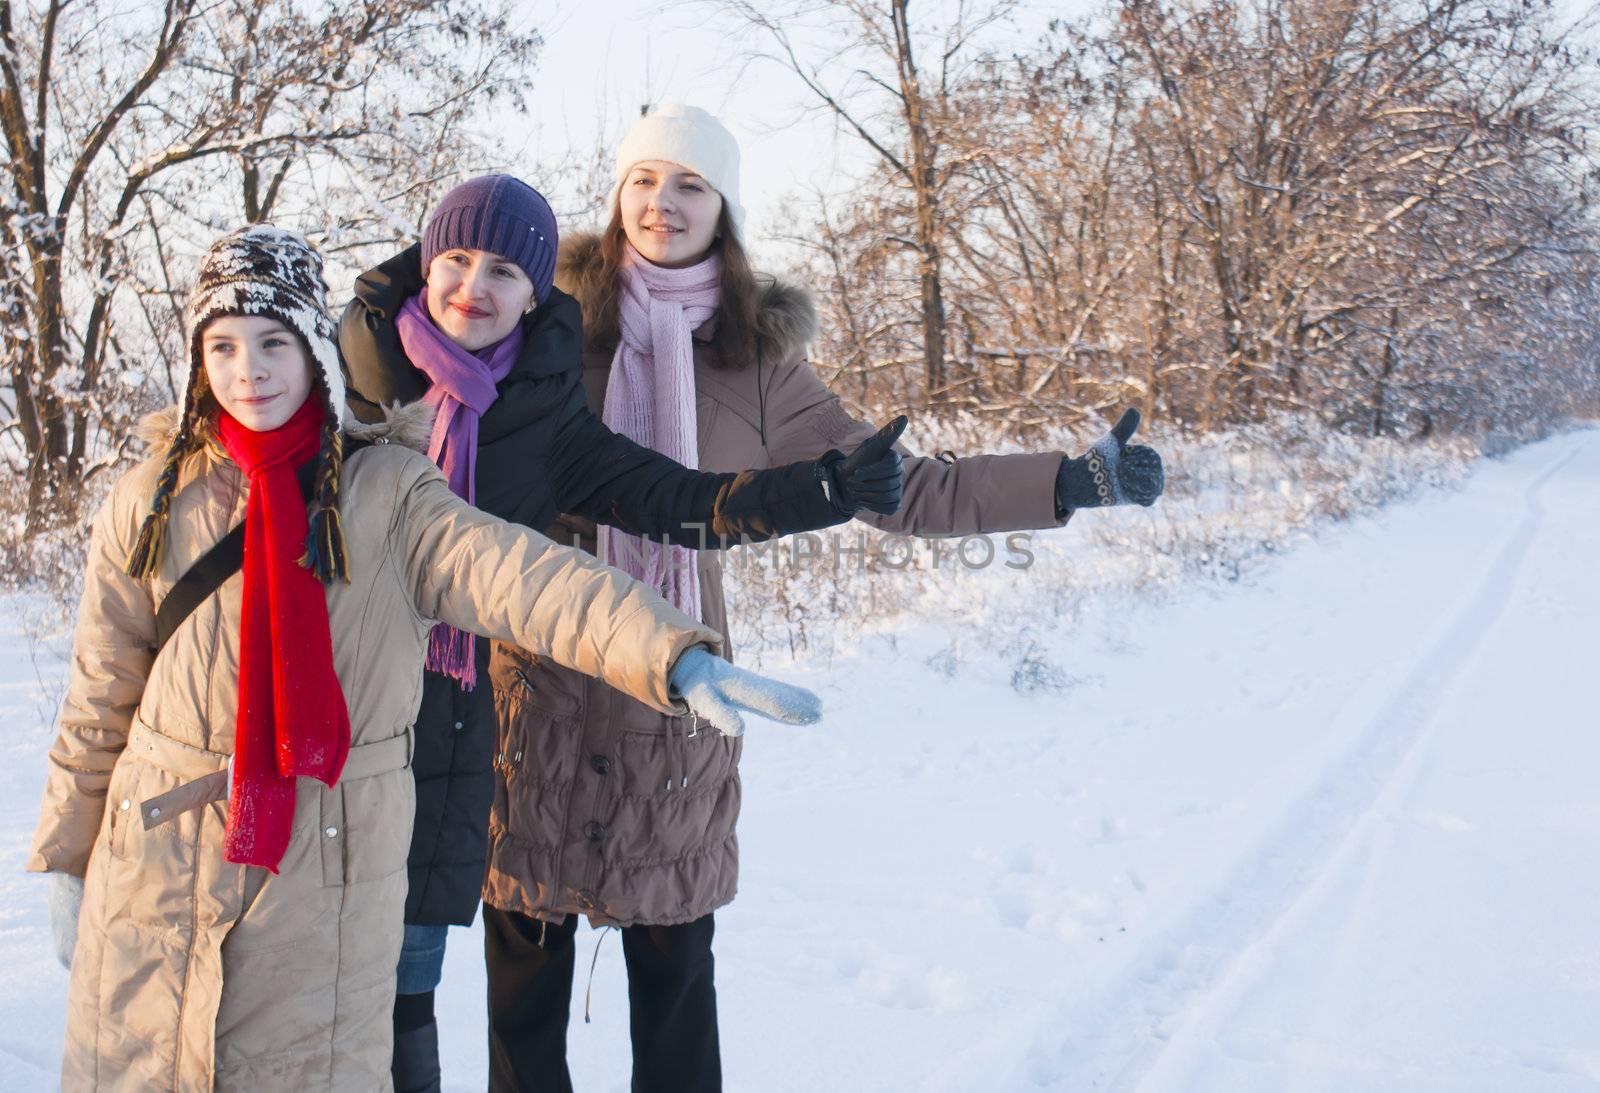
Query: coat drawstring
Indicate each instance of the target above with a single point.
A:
(677, 754)
(672, 753)
(693, 731)
(588, 992)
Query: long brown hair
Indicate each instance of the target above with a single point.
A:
(737, 311)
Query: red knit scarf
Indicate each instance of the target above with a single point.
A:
(292, 719)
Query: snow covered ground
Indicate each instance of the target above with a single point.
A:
(1333, 827)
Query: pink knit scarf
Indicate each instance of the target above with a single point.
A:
(651, 400)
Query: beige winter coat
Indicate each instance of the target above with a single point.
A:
(603, 805)
(192, 973)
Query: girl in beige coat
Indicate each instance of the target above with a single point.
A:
(228, 800)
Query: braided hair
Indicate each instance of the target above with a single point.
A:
(325, 554)
(146, 554)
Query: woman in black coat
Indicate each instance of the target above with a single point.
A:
(481, 276)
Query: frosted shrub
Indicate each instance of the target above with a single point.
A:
(1234, 498)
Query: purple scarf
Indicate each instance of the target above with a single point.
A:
(463, 388)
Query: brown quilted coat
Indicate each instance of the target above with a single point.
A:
(192, 973)
(605, 806)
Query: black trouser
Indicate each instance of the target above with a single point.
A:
(672, 1004)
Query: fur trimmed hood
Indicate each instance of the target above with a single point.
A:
(785, 324)
(409, 426)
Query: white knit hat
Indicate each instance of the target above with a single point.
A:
(689, 136)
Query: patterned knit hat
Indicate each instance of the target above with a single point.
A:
(691, 137)
(502, 215)
(269, 272)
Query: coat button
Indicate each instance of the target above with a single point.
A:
(155, 813)
(600, 763)
(594, 830)
(459, 726)
(125, 805)
(330, 831)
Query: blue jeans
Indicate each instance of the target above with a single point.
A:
(421, 959)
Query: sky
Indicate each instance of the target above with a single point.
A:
(600, 62)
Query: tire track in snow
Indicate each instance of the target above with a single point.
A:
(1192, 972)
(1366, 847)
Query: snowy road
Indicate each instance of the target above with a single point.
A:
(1334, 828)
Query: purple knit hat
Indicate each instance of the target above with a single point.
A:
(500, 214)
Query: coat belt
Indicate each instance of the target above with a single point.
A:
(364, 761)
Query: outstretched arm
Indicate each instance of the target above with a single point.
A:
(612, 480)
(481, 574)
(944, 496)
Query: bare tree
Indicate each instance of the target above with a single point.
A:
(1377, 213)
(1313, 142)
(875, 78)
(133, 134)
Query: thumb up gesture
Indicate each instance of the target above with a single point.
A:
(870, 477)
(1112, 471)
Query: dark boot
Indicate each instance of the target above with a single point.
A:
(672, 1008)
(530, 966)
(416, 1060)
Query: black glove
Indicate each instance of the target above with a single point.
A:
(870, 477)
(1111, 472)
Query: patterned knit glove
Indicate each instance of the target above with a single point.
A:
(66, 900)
(717, 691)
(1111, 472)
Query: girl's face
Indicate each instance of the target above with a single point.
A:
(475, 296)
(258, 369)
(669, 213)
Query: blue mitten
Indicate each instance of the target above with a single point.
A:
(66, 900)
(717, 691)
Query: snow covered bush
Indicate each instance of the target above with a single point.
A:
(1234, 497)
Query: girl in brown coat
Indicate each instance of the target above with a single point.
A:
(611, 809)
(469, 320)
(229, 800)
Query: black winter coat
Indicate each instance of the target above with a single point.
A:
(540, 452)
